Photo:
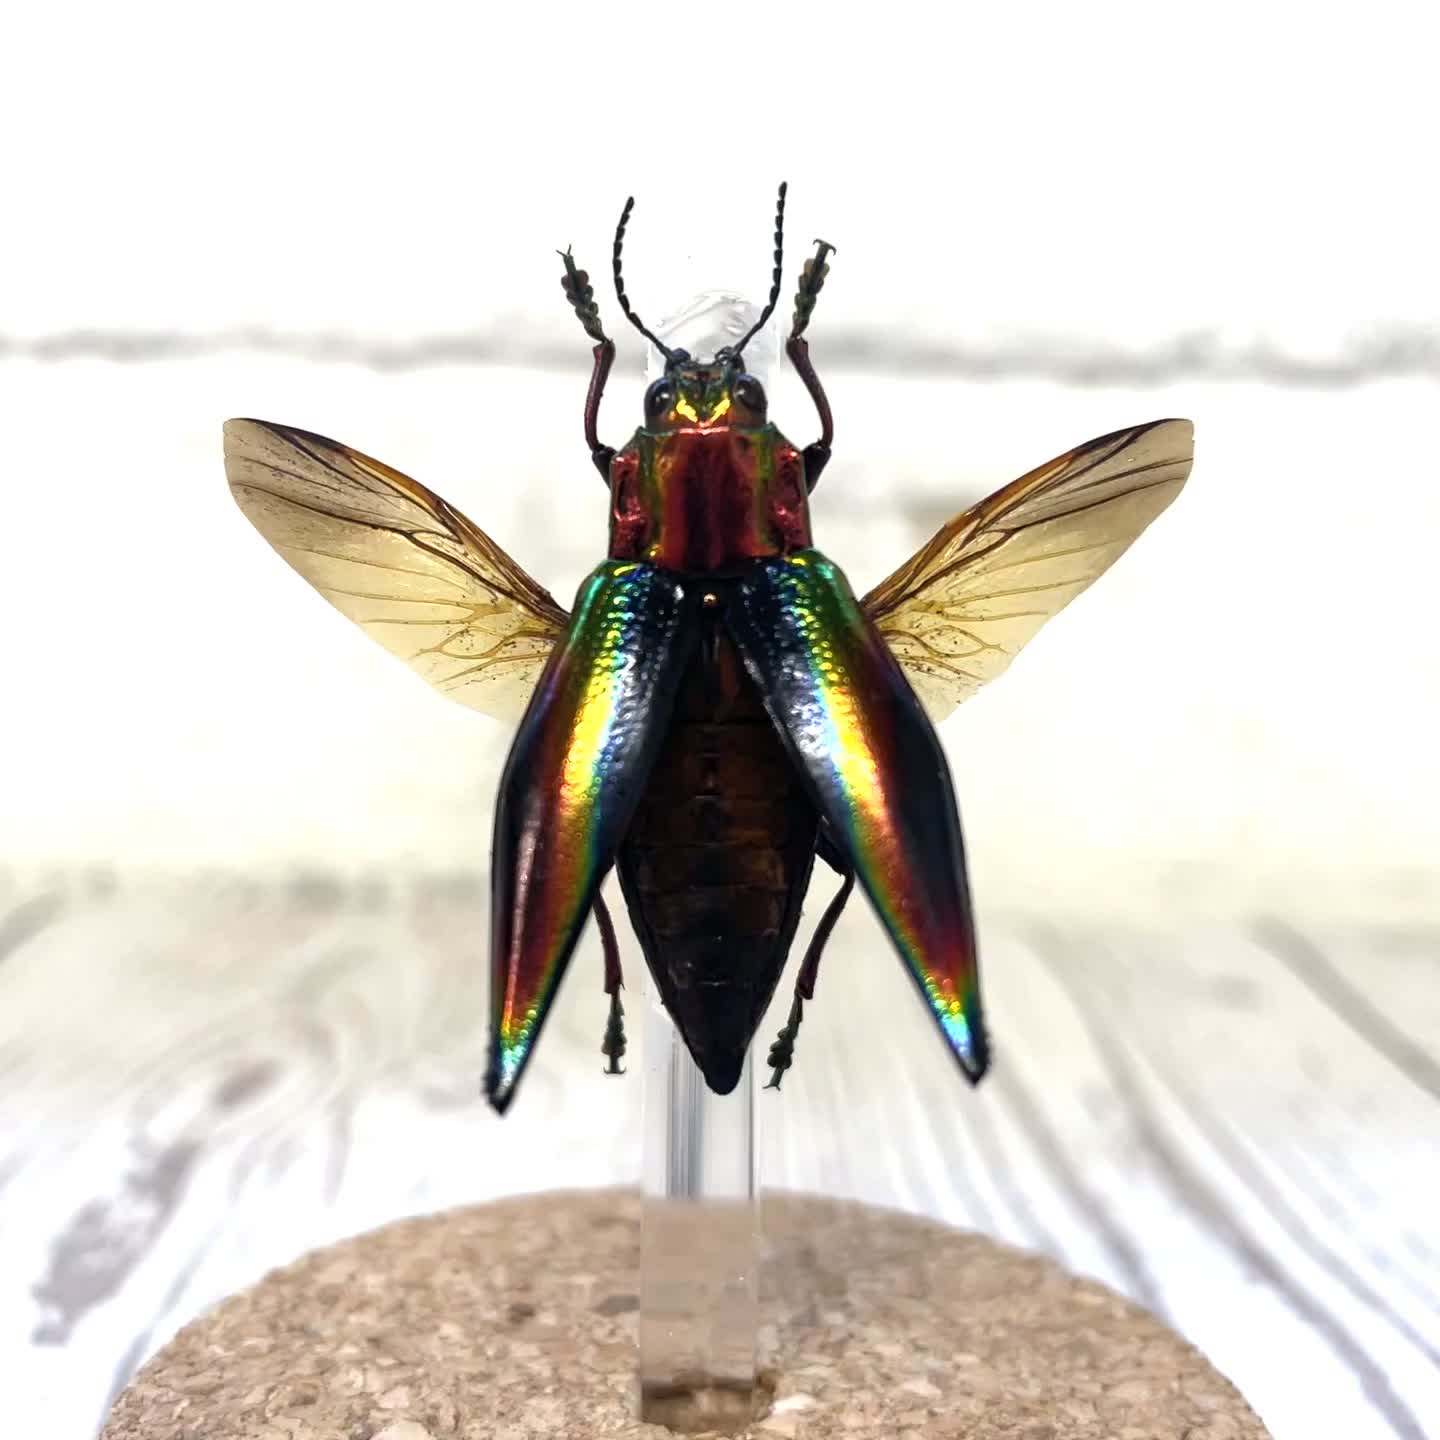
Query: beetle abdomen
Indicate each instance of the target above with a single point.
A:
(717, 861)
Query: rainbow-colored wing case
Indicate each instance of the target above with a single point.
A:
(576, 772)
(876, 771)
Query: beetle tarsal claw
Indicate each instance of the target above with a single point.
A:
(613, 1047)
(581, 295)
(782, 1052)
(812, 278)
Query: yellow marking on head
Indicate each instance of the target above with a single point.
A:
(687, 411)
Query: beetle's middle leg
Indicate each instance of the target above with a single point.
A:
(782, 1052)
(613, 1047)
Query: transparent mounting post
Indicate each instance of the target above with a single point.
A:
(700, 1221)
(699, 1241)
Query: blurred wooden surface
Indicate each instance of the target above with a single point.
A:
(200, 1079)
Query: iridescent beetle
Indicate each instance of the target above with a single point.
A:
(719, 708)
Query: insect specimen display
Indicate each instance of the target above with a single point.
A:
(718, 709)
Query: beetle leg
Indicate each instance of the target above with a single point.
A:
(782, 1052)
(817, 454)
(812, 277)
(602, 455)
(613, 1047)
(581, 295)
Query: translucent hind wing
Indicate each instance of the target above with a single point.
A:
(409, 569)
(958, 612)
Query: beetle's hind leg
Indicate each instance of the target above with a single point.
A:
(613, 1047)
(782, 1052)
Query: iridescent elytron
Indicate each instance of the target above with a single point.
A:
(718, 709)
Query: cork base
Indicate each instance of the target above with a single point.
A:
(518, 1320)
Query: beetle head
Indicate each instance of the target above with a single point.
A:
(705, 394)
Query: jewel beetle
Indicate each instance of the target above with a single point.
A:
(718, 709)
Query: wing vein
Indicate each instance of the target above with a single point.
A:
(327, 509)
(1064, 524)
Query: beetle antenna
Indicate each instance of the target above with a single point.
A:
(769, 309)
(630, 315)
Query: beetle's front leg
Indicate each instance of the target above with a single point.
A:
(812, 277)
(578, 291)
(817, 454)
(602, 455)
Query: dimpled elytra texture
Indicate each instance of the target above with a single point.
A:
(574, 776)
(518, 1321)
(878, 772)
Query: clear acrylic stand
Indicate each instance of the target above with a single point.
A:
(700, 1220)
(699, 1241)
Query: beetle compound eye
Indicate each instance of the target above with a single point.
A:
(750, 393)
(658, 399)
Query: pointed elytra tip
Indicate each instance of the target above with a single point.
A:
(499, 1098)
(977, 1068)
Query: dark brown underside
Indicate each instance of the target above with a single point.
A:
(717, 861)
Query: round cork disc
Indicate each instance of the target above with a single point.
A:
(518, 1320)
